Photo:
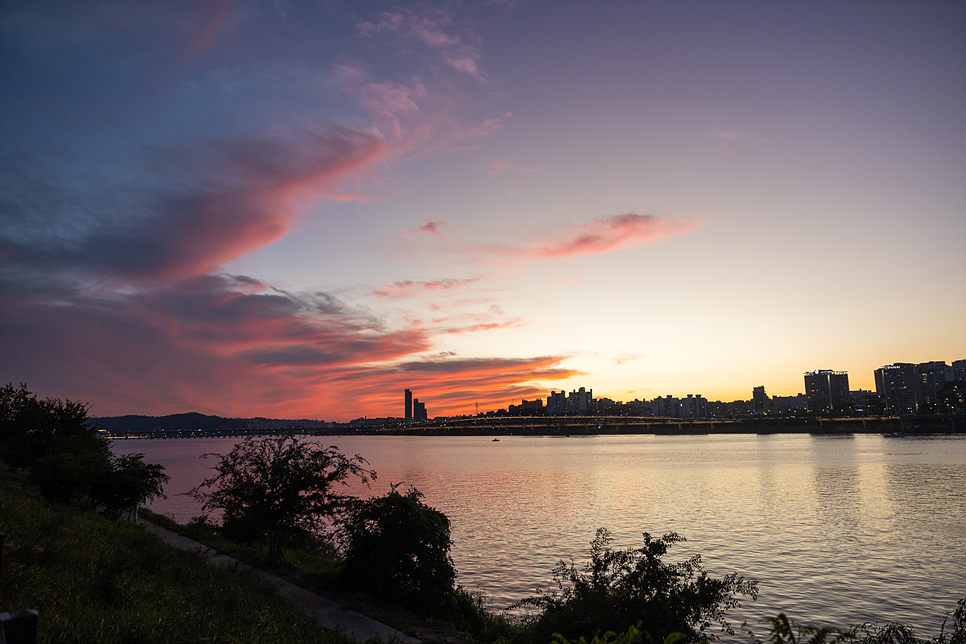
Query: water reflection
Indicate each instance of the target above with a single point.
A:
(836, 530)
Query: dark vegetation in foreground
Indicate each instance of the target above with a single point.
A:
(94, 578)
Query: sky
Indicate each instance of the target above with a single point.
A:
(299, 209)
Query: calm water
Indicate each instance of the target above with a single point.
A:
(837, 530)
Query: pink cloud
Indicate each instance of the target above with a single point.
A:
(431, 227)
(391, 103)
(216, 201)
(236, 346)
(407, 288)
(603, 235)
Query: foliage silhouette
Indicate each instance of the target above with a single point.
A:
(619, 589)
(397, 547)
(67, 458)
(31, 429)
(129, 483)
(279, 488)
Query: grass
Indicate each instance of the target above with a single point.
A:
(95, 580)
(320, 573)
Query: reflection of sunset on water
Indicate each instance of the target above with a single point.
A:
(836, 529)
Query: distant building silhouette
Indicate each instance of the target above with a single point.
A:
(694, 406)
(760, 399)
(959, 370)
(579, 401)
(419, 410)
(827, 391)
(557, 403)
(409, 404)
(911, 388)
(526, 408)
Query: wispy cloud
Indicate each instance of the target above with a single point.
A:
(429, 227)
(603, 235)
(462, 137)
(624, 358)
(499, 166)
(209, 17)
(728, 135)
(408, 288)
(392, 104)
(435, 30)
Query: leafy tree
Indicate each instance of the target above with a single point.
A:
(397, 547)
(129, 483)
(67, 458)
(279, 488)
(31, 429)
(619, 589)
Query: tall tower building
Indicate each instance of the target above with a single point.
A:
(409, 405)
(827, 391)
(760, 398)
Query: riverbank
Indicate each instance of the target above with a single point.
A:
(97, 580)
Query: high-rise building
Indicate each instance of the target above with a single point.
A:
(896, 386)
(959, 370)
(911, 388)
(827, 391)
(409, 404)
(694, 406)
(581, 401)
(419, 410)
(760, 399)
(557, 403)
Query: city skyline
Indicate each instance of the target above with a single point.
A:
(249, 209)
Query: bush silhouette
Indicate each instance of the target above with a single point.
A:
(397, 547)
(620, 589)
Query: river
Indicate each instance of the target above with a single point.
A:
(837, 529)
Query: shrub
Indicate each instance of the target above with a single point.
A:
(619, 589)
(397, 547)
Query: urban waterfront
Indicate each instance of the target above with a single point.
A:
(837, 529)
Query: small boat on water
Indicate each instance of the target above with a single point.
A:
(496, 440)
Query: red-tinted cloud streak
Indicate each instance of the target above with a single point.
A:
(603, 235)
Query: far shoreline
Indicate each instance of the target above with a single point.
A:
(595, 426)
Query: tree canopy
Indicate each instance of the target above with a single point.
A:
(66, 456)
(279, 488)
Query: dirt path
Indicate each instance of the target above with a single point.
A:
(325, 611)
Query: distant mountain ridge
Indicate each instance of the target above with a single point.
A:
(194, 420)
(190, 420)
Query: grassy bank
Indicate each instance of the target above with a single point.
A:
(95, 580)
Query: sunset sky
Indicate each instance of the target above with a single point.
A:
(299, 209)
